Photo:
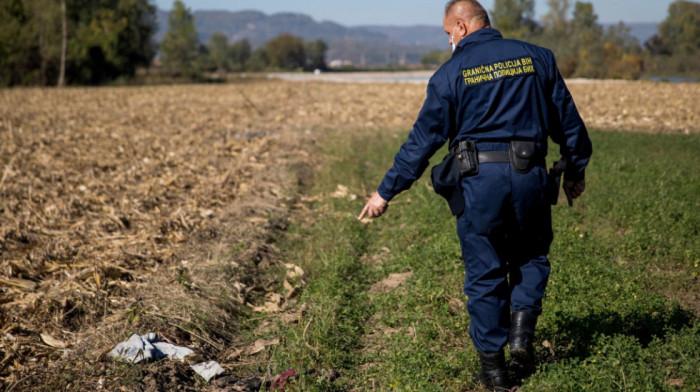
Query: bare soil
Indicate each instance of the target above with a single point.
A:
(604, 104)
(639, 106)
(146, 209)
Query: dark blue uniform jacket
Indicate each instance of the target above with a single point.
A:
(493, 90)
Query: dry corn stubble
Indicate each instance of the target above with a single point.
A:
(638, 105)
(120, 207)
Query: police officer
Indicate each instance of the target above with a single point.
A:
(496, 101)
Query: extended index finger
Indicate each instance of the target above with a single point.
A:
(364, 211)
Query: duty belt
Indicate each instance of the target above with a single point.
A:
(500, 157)
(493, 156)
(490, 156)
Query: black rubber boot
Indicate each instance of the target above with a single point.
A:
(522, 329)
(493, 371)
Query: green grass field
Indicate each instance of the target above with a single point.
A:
(620, 312)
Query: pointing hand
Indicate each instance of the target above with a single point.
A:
(375, 207)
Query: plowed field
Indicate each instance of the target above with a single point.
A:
(155, 208)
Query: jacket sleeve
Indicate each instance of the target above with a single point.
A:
(568, 129)
(429, 133)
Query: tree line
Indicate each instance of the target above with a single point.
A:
(583, 48)
(183, 55)
(92, 42)
(56, 42)
(49, 42)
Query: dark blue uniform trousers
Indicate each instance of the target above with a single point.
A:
(505, 233)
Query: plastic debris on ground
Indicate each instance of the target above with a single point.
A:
(149, 348)
(208, 370)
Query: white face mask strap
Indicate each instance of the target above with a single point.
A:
(452, 38)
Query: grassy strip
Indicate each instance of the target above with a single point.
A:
(627, 247)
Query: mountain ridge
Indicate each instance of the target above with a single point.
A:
(355, 44)
(367, 45)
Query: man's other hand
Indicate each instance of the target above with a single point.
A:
(573, 190)
(375, 207)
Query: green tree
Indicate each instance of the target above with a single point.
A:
(104, 39)
(585, 20)
(202, 63)
(586, 38)
(30, 39)
(514, 18)
(286, 52)
(584, 49)
(557, 19)
(315, 54)
(622, 57)
(218, 55)
(658, 46)
(110, 38)
(179, 46)
(135, 39)
(240, 53)
(259, 60)
(674, 50)
(620, 35)
(556, 36)
(219, 52)
(681, 28)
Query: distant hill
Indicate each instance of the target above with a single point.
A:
(360, 45)
(432, 36)
(370, 45)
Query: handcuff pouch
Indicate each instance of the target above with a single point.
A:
(522, 155)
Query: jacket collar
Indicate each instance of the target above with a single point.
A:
(479, 36)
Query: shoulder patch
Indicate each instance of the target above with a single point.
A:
(519, 66)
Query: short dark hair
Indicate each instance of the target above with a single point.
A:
(478, 11)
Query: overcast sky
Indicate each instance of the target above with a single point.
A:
(412, 12)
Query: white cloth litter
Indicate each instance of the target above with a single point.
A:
(137, 348)
(148, 347)
(208, 370)
(172, 351)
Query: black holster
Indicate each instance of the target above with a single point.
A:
(467, 158)
(462, 161)
(554, 180)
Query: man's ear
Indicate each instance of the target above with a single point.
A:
(462, 28)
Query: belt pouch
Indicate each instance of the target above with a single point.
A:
(522, 155)
(447, 183)
(468, 158)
